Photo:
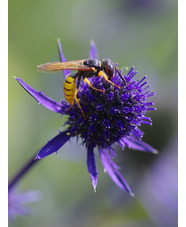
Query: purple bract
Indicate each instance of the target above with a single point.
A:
(17, 202)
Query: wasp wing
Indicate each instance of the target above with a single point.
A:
(71, 65)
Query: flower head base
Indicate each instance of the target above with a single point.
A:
(112, 116)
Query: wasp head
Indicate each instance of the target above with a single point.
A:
(108, 67)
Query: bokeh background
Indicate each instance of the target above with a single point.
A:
(140, 33)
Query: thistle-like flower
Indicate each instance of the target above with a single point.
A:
(112, 116)
(17, 202)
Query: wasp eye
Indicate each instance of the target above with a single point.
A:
(108, 68)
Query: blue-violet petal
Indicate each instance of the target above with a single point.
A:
(43, 99)
(53, 145)
(93, 53)
(137, 144)
(110, 168)
(62, 58)
(91, 165)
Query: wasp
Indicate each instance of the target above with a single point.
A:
(85, 68)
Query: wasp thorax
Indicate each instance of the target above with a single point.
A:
(92, 62)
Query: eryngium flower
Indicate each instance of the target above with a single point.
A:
(17, 202)
(113, 116)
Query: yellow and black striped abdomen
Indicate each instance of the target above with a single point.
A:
(69, 89)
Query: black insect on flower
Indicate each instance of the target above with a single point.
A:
(111, 116)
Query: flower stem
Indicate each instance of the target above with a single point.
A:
(31, 162)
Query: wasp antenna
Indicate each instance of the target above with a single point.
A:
(122, 77)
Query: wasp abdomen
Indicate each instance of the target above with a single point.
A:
(69, 89)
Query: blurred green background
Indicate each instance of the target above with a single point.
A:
(140, 33)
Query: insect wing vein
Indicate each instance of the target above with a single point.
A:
(71, 65)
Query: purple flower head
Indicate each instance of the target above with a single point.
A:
(112, 116)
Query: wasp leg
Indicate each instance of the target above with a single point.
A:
(101, 74)
(69, 108)
(77, 101)
(122, 77)
(90, 85)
